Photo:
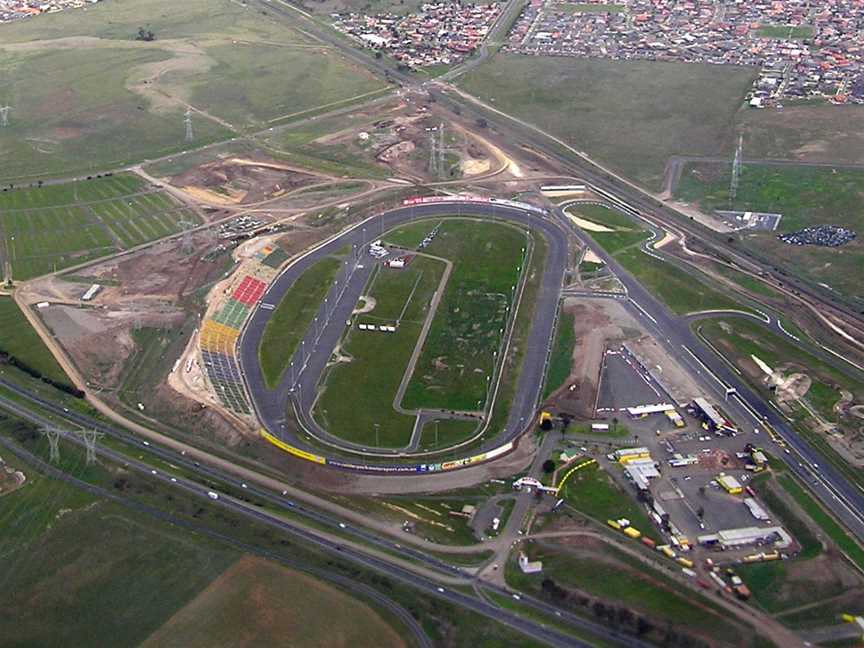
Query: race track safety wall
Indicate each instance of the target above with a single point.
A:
(426, 200)
(407, 468)
(297, 452)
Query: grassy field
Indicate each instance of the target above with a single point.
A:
(666, 281)
(805, 195)
(832, 529)
(458, 358)
(625, 232)
(100, 99)
(378, 360)
(114, 616)
(56, 226)
(85, 571)
(20, 340)
(430, 515)
(561, 360)
(674, 286)
(592, 492)
(618, 578)
(792, 32)
(446, 432)
(742, 339)
(631, 116)
(230, 611)
(292, 318)
(411, 235)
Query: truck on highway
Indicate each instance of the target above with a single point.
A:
(212, 495)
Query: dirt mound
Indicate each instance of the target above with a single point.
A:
(792, 387)
(242, 181)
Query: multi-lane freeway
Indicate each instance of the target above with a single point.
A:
(391, 559)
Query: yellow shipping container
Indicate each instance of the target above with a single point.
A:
(633, 533)
(685, 562)
(614, 524)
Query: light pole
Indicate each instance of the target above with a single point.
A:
(377, 435)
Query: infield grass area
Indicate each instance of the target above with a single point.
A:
(446, 432)
(56, 226)
(19, 339)
(357, 401)
(292, 317)
(458, 359)
(629, 115)
(806, 196)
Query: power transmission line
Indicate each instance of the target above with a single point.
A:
(736, 170)
(187, 119)
(53, 435)
(90, 437)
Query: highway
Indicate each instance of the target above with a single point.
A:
(377, 562)
(298, 388)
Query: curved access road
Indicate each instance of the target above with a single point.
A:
(297, 390)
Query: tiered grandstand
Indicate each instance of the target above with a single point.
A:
(219, 333)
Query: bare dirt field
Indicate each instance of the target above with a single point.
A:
(597, 323)
(235, 181)
(256, 602)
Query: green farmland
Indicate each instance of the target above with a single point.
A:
(18, 339)
(375, 362)
(56, 226)
(805, 196)
(628, 115)
(85, 95)
(53, 227)
(458, 358)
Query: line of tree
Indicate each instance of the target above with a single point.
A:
(8, 358)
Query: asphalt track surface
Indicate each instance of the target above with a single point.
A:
(426, 585)
(297, 390)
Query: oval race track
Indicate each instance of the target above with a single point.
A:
(310, 360)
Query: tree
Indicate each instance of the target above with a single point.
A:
(548, 466)
(145, 35)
